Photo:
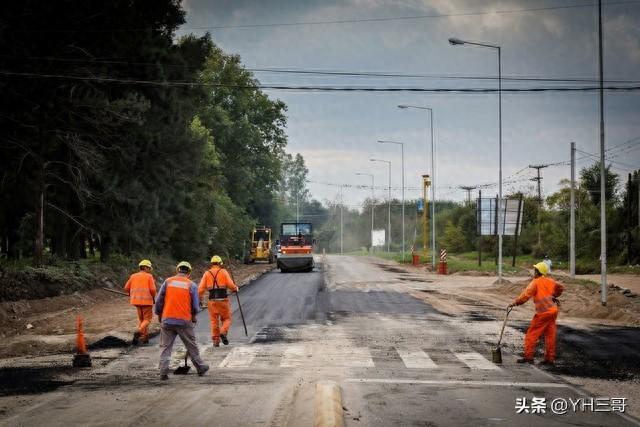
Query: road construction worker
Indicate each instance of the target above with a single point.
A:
(544, 292)
(177, 306)
(218, 282)
(141, 288)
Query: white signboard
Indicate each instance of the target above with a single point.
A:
(487, 217)
(378, 237)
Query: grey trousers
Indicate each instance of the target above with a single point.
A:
(168, 335)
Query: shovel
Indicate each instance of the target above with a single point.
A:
(496, 352)
(183, 370)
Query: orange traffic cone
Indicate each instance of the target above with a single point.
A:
(81, 359)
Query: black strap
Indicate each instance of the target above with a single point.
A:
(215, 278)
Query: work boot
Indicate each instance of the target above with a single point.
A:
(523, 360)
(164, 377)
(203, 370)
(547, 363)
(136, 338)
(224, 339)
(216, 343)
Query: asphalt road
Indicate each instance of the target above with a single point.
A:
(396, 359)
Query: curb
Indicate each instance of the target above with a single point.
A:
(328, 405)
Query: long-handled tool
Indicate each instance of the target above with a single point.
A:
(242, 314)
(183, 370)
(246, 333)
(496, 352)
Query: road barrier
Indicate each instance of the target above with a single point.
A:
(442, 266)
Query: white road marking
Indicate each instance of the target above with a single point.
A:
(352, 357)
(239, 357)
(416, 359)
(294, 355)
(476, 361)
(455, 382)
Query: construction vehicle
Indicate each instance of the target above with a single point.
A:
(296, 247)
(259, 246)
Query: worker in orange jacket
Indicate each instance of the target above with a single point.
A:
(177, 308)
(544, 292)
(218, 282)
(141, 288)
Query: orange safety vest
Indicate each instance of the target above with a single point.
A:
(543, 290)
(216, 277)
(177, 298)
(141, 288)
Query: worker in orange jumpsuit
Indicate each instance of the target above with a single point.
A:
(544, 292)
(141, 288)
(218, 282)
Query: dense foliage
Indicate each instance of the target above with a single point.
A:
(119, 138)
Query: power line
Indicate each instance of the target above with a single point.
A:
(323, 22)
(401, 18)
(169, 83)
(337, 73)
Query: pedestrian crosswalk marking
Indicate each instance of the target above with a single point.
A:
(239, 357)
(290, 356)
(294, 355)
(476, 361)
(416, 359)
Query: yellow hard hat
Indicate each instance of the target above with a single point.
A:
(216, 260)
(542, 267)
(145, 263)
(183, 264)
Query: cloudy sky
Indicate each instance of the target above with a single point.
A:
(336, 132)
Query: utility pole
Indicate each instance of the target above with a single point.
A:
(603, 197)
(341, 219)
(426, 183)
(572, 221)
(629, 222)
(468, 189)
(539, 179)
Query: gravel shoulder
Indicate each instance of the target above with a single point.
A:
(47, 326)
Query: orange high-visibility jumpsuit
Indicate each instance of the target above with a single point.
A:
(219, 308)
(543, 290)
(141, 288)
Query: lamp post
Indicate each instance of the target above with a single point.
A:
(457, 42)
(389, 223)
(433, 182)
(401, 144)
(372, 202)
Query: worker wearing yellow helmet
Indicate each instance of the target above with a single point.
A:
(544, 291)
(218, 282)
(141, 288)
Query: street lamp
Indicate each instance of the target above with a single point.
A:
(457, 42)
(401, 144)
(372, 202)
(389, 223)
(433, 182)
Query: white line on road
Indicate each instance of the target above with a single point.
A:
(416, 359)
(455, 382)
(294, 355)
(476, 361)
(239, 357)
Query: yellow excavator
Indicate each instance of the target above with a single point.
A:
(259, 246)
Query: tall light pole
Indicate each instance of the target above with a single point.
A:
(603, 177)
(401, 144)
(389, 224)
(433, 182)
(457, 42)
(372, 201)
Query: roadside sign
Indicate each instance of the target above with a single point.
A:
(487, 222)
(378, 237)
